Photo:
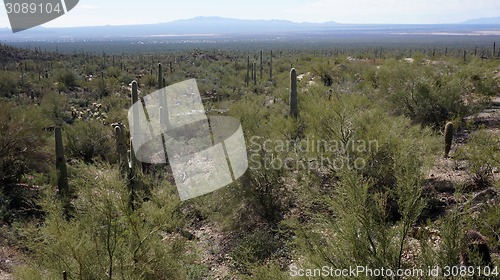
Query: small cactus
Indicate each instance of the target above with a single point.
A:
(294, 111)
(448, 138)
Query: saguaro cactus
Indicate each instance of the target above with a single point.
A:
(247, 79)
(261, 68)
(135, 112)
(294, 110)
(164, 121)
(62, 171)
(271, 66)
(448, 138)
(254, 73)
(121, 148)
(127, 168)
(160, 76)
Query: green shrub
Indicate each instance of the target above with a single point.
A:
(253, 249)
(67, 78)
(150, 81)
(90, 141)
(8, 84)
(482, 153)
(54, 108)
(104, 239)
(22, 141)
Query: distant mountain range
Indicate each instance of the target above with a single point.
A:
(492, 20)
(225, 27)
(196, 26)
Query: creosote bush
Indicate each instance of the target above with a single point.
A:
(482, 153)
(22, 141)
(90, 141)
(104, 239)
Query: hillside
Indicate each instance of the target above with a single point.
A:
(381, 158)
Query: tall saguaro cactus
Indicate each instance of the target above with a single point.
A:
(163, 112)
(132, 160)
(448, 138)
(135, 117)
(261, 68)
(247, 79)
(62, 171)
(271, 66)
(121, 148)
(127, 168)
(160, 76)
(254, 73)
(294, 110)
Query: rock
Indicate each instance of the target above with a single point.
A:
(475, 242)
(484, 196)
(269, 101)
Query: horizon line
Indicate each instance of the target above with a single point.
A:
(273, 19)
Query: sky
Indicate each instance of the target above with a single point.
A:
(122, 12)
